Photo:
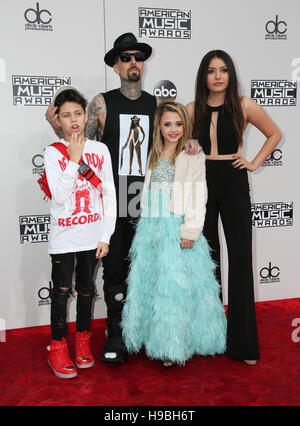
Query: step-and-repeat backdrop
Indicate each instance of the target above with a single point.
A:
(47, 44)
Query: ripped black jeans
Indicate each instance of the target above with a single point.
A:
(62, 272)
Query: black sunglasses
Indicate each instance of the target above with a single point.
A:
(138, 56)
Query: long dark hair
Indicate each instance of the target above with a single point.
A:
(232, 99)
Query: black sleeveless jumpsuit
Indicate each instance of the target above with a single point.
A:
(228, 197)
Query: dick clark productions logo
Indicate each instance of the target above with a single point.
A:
(275, 159)
(276, 29)
(269, 274)
(44, 295)
(38, 19)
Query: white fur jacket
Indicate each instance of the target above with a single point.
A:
(189, 193)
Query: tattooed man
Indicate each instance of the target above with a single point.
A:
(109, 118)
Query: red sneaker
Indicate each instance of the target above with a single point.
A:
(59, 361)
(84, 357)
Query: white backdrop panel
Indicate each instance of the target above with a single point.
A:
(73, 49)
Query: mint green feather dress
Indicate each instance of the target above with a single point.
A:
(172, 307)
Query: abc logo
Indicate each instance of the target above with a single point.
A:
(37, 16)
(276, 27)
(269, 272)
(165, 89)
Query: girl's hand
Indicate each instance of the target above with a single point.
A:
(76, 147)
(102, 250)
(192, 147)
(186, 243)
(242, 163)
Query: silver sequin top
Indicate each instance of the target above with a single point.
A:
(163, 172)
(162, 176)
(160, 190)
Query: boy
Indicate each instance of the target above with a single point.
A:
(83, 214)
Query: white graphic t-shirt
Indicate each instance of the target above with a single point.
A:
(80, 217)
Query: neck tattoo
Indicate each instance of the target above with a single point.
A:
(131, 89)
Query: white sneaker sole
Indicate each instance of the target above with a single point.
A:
(62, 375)
(81, 366)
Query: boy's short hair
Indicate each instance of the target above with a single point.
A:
(70, 95)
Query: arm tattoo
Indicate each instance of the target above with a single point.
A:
(96, 118)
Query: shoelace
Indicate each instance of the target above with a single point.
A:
(63, 356)
(83, 346)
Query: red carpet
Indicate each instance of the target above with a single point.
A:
(26, 379)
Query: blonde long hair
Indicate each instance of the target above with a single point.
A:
(158, 141)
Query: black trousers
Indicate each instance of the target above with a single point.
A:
(62, 273)
(228, 196)
(115, 271)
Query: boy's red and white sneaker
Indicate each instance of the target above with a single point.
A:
(59, 361)
(83, 354)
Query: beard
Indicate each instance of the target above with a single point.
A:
(134, 75)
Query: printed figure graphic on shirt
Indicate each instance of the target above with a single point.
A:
(135, 143)
(82, 192)
(82, 199)
(133, 160)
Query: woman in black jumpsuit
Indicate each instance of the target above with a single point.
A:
(219, 117)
